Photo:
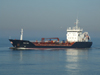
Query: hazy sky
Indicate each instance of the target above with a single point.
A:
(48, 18)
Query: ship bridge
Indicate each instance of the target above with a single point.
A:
(75, 34)
(74, 29)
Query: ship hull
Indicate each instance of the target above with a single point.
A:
(24, 44)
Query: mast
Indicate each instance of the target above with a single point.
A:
(21, 36)
(77, 21)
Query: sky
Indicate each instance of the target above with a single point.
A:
(48, 18)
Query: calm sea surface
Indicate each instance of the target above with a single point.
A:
(49, 62)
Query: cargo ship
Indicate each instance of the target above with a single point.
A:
(75, 38)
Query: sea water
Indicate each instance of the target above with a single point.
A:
(49, 62)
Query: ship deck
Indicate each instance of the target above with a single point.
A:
(52, 44)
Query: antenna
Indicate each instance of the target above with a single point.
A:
(77, 21)
(21, 36)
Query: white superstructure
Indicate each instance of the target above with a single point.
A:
(75, 34)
